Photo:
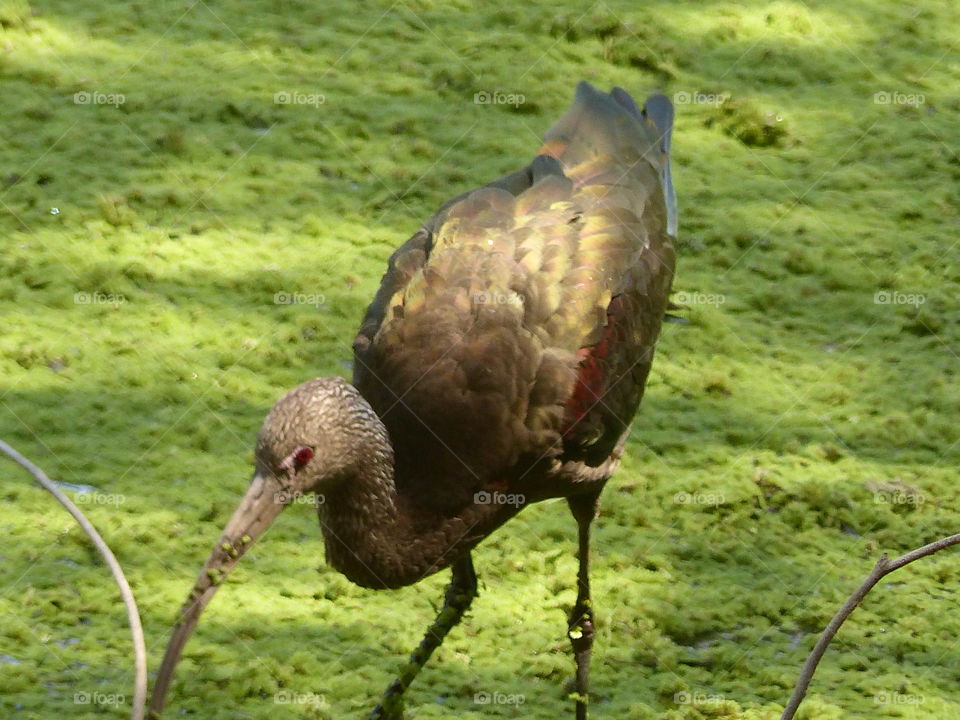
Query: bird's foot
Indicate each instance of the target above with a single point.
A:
(581, 632)
(581, 636)
(580, 628)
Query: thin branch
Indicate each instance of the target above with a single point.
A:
(882, 568)
(136, 628)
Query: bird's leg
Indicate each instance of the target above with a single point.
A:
(456, 601)
(580, 627)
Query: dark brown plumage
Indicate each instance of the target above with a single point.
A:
(500, 363)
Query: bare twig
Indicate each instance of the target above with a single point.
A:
(136, 628)
(882, 568)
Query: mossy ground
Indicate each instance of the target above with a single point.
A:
(789, 435)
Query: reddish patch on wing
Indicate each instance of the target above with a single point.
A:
(588, 391)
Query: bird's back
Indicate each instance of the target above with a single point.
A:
(517, 327)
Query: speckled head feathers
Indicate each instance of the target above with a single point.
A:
(323, 415)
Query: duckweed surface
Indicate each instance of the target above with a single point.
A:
(197, 200)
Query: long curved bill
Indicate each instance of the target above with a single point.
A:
(261, 505)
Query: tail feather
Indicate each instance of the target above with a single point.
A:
(659, 110)
(623, 97)
(600, 123)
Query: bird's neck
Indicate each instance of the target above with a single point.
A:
(380, 538)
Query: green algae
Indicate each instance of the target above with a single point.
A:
(174, 261)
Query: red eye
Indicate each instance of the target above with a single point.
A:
(303, 455)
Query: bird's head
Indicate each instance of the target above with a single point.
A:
(308, 441)
(308, 445)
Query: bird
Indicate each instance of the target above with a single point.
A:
(500, 363)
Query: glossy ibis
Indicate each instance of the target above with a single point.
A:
(500, 363)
